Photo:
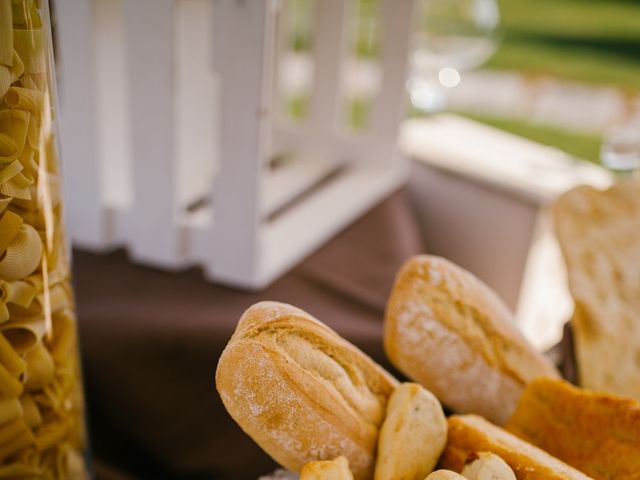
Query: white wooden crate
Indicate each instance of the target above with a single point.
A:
(169, 124)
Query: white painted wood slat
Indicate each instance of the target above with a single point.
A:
(169, 129)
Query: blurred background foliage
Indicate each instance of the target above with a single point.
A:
(589, 42)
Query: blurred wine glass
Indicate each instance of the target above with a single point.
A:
(620, 151)
(452, 37)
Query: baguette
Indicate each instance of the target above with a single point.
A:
(301, 391)
(447, 330)
(599, 235)
(470, 433)
(597, 433)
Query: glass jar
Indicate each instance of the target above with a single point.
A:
(41, 405)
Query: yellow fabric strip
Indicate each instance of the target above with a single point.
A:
(10, 359)
(10, 387)
(10, 409)
(10, 225)
(23, 334)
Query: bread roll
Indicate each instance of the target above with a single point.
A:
(302, 392)
(470, 433)
(337, 469)
(447, 330)
(597, 433)
(599, 233)
(444, 475)
(487, 466)
(413, 434)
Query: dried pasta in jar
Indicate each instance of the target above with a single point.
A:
(41, 407)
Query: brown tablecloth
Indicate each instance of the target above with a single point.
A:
(151, 341)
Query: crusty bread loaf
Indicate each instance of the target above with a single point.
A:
(599, 233)
(487, 466)
(447, 330)
(470, 433)
(301, 391)
(412, 436)
(444, 475)
(597, 433)
(337, 469)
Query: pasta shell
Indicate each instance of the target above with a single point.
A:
(24, 334)
(40, 369)
(10, 225)
(23, 256)
(25, 99)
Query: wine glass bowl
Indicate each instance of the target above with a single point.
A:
(451, 37)
(620, 150)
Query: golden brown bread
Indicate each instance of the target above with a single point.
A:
(337, 469)
(597, 433)
(302, 392)
(447, 330)
(470, 433)
(412, 436)
(599, 233)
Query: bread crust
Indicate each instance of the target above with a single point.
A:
(599, 234)
(412, 436)
(470, 433)
(597, 433)
(301, 391)
(447, 330)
